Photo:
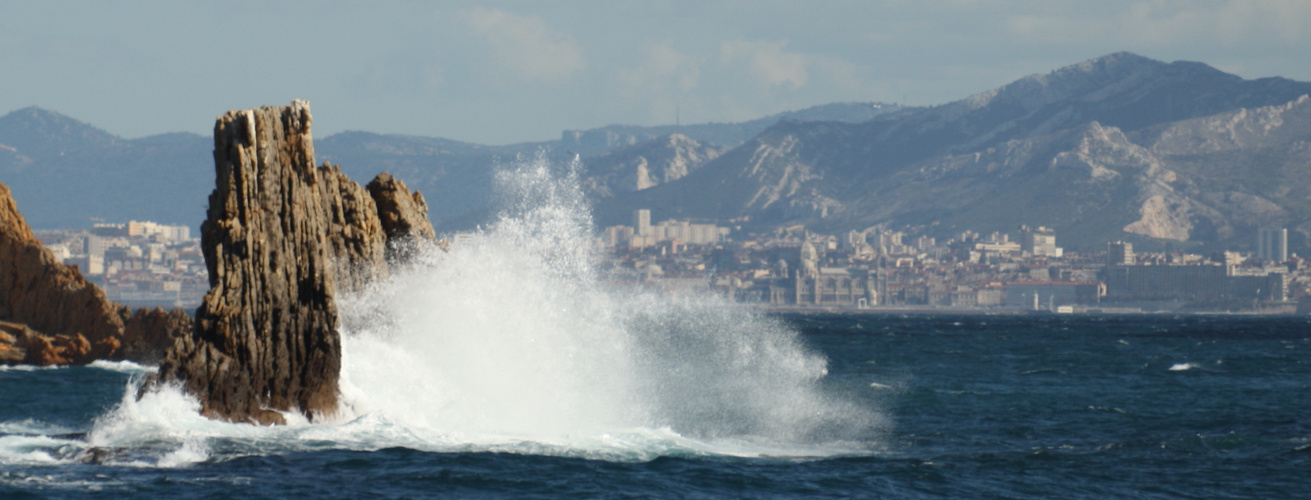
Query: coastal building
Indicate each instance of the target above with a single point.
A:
(1272, 244)
(795, 268)
(144, 229)
(1048, 294)
(618, 236)
(643, 234)
(836, 286)
(90, 265)
(813, 285)
(1039, 241)
(1191, 282)
(642, 222)
(1119, 253)
(998, 247)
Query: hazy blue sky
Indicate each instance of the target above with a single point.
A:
(503, 72)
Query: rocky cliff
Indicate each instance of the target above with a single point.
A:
(282, 239)
(266, 337)
(645, 165)
(355, 239)
(53, 315)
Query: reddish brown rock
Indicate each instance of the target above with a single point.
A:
(403, 213)
(266, 339)
(19, 344)
(68, 320)
(356, 238)
(148, 333)
(281, 240)
(12, 351)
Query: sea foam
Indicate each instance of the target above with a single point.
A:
(513, 341)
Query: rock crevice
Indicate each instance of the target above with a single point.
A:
(281, 239)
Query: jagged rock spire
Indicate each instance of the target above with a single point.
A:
(282, 239)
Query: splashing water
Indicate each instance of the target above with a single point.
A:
(511, 341)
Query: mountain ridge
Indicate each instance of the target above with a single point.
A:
(839, 177)
(1118, 125)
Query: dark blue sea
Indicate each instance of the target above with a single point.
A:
(970, 406)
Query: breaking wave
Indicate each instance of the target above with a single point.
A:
(512, 341)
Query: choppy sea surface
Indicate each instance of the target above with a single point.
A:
(969, 406)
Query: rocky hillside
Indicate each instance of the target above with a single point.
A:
(1118, 147)
(649, 164)
(596, 141)
(83, 173)
(66, 173)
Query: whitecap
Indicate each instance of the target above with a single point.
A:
(37, 450)
(128, 367)
(31, 426)
(29, 368)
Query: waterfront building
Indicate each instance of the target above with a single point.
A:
(1272, 244)
(1048, 294)
(643, 234)
(642, 222)
(1204, 282)
(1039, 241)
(1119, 253)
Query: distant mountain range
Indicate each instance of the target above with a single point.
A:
(66, 173)
(1120, 147)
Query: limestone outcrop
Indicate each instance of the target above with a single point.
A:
(52, 315)
(281, 240)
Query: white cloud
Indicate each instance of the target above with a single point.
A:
(528, 46)
(767, 61)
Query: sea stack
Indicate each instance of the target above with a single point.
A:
(51, 315)
(281, 239)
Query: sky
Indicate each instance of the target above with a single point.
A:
(502, 72)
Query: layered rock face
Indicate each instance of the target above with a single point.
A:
(403, 215)
(356, 240)
(281, 240)
(53, 315)
(646, 165)
(266, 334)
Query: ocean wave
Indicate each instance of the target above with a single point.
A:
(164, 429)
(37, 450)
(511, 342)
(31, 426)
(128, 367)
(29, 368)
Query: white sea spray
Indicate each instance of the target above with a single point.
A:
(512, 341)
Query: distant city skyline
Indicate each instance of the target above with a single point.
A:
(509, 71)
